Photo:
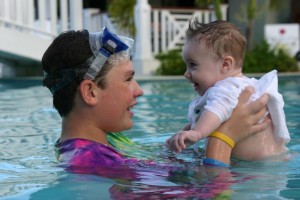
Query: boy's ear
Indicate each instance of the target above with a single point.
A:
(227, 64)
(89, 92)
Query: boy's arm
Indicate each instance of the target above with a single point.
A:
(242, 123)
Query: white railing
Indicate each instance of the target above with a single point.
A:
(40, 21)
(27, 27)
(41, 16)
(169, 26)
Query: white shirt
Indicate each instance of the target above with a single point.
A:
(222, 98)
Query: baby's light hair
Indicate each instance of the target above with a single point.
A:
(220, 37)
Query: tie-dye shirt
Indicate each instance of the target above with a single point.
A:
(83, 152)
(84, 156)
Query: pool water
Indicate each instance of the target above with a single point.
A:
(29, 127)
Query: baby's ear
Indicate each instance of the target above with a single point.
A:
(88, 92)
(227, 64)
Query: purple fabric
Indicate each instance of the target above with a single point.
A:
(143, 179)
(84, 156)
(87, 153)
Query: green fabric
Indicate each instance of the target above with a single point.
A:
(127, 147)
(119, 139)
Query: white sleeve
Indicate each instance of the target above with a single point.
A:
(192, 116)
(222, 98)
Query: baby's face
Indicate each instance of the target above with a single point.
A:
(202, 67)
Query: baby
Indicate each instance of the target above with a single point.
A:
(214, 55)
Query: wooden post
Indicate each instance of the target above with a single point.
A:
(76, 14)
(19, 11)
(64, 15)
(42, 14)
(30, 13)
(53, 17)
(224, 8)
(143, 60)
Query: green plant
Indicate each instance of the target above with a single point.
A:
(207, 3)
(122, 13)
(250, 13)
(262, 58)
(259, 60)
(171, 63)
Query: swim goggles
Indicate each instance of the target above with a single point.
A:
(103, 45)
(110, 44)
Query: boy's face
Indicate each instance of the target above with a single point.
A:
(118, 98)
(202, 66)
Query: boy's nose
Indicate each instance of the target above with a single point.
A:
(138, 90)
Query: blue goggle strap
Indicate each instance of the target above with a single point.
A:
(111, 44)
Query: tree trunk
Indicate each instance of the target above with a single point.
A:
(250, 25)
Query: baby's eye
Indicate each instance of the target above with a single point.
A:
(192, 66)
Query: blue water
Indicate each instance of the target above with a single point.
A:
(29, 127)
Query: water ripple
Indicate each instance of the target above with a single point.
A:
(29, 127)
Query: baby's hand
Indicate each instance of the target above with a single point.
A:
(182, 140)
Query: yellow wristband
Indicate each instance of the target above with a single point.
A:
(223, 137)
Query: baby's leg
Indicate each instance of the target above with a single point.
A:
(259, 146)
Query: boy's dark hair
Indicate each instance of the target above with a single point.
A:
(69, 50)
(65, 63)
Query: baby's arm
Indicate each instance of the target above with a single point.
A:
(181, 140)
(187, 127)
(207, 123)
(172, 143)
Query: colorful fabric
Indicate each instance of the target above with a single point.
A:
(129, 148)
(87, 153)
(84, 156)
(82, 152)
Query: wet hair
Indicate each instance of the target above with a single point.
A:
(220, 37)
(70, 55)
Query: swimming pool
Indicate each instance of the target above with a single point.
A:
(29, 127)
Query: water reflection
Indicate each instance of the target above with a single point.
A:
(29, 127)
